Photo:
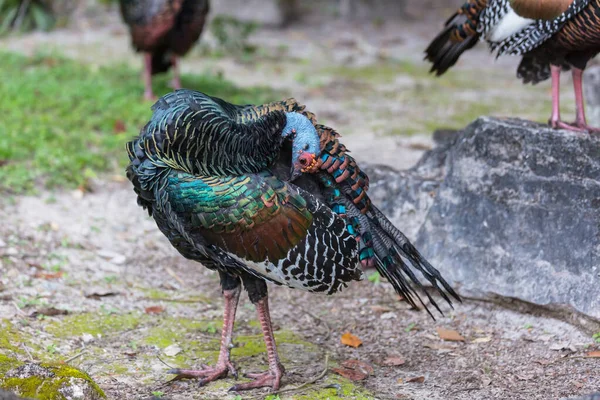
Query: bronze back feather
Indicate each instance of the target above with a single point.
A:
(540, 9)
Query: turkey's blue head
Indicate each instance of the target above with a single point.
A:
(306, 145)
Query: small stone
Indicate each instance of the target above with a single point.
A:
(388, 315)
(172, 350)
(11, 251)
(2, 243)
(87, 338)
(77, 194)
(118, 260)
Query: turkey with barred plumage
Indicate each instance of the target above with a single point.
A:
(264, 193)
(163, 30)
(550, 35)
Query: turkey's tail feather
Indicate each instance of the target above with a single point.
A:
(383, 246)
(459, 35)
(533, 70)
(393, 251)
(380, 243)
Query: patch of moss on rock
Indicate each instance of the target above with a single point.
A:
(47, 381)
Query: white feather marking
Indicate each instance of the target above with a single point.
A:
(509, 25)
(276, 273)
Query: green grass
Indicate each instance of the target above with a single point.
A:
(63, 122)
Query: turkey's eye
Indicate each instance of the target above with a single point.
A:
(306, 146)
(303, 162)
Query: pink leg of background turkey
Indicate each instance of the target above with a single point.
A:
(580, 120)
(272, 377)
(223, 366)
(555, 118)
(148, 93)
(176, 83)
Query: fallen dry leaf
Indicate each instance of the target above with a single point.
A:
(49, 275)
(350, 340)
(393, 361)
(594, 354)
(358, 366)
(351, 374)
(450, 335)
(417, 379)
(119, 126)
(482, 340)
(154, 309)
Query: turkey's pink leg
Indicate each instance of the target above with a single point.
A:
(272, 377)
(224, 365)
(148, 93)
(176, 82)
(555, 117)
(580, 121)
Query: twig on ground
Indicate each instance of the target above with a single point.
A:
(321, 321)
(68, 360)
(161, 360)
(309, 382)
(27, 351)
(18, 308)
(175, 276)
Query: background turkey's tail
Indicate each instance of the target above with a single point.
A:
(459, 35)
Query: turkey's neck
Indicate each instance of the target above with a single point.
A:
(540, 9)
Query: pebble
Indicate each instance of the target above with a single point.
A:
(172, 350)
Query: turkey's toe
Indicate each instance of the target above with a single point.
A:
(270, 379)
(570, 127)
(206, 374)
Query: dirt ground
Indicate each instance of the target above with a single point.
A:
(134, 305)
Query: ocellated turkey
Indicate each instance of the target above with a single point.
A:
(163, 30)
(550, 35)
(264, 193)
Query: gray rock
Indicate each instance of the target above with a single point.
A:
(592, 94)
(506, 207)
(595, 396)
(4, 395)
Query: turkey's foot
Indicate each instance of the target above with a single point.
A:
(206, 374)
(271, 378)
(575, 127)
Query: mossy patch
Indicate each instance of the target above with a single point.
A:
(9, 338)
(56, 384)
(93, 324)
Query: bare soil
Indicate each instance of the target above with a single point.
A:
(98, 256)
